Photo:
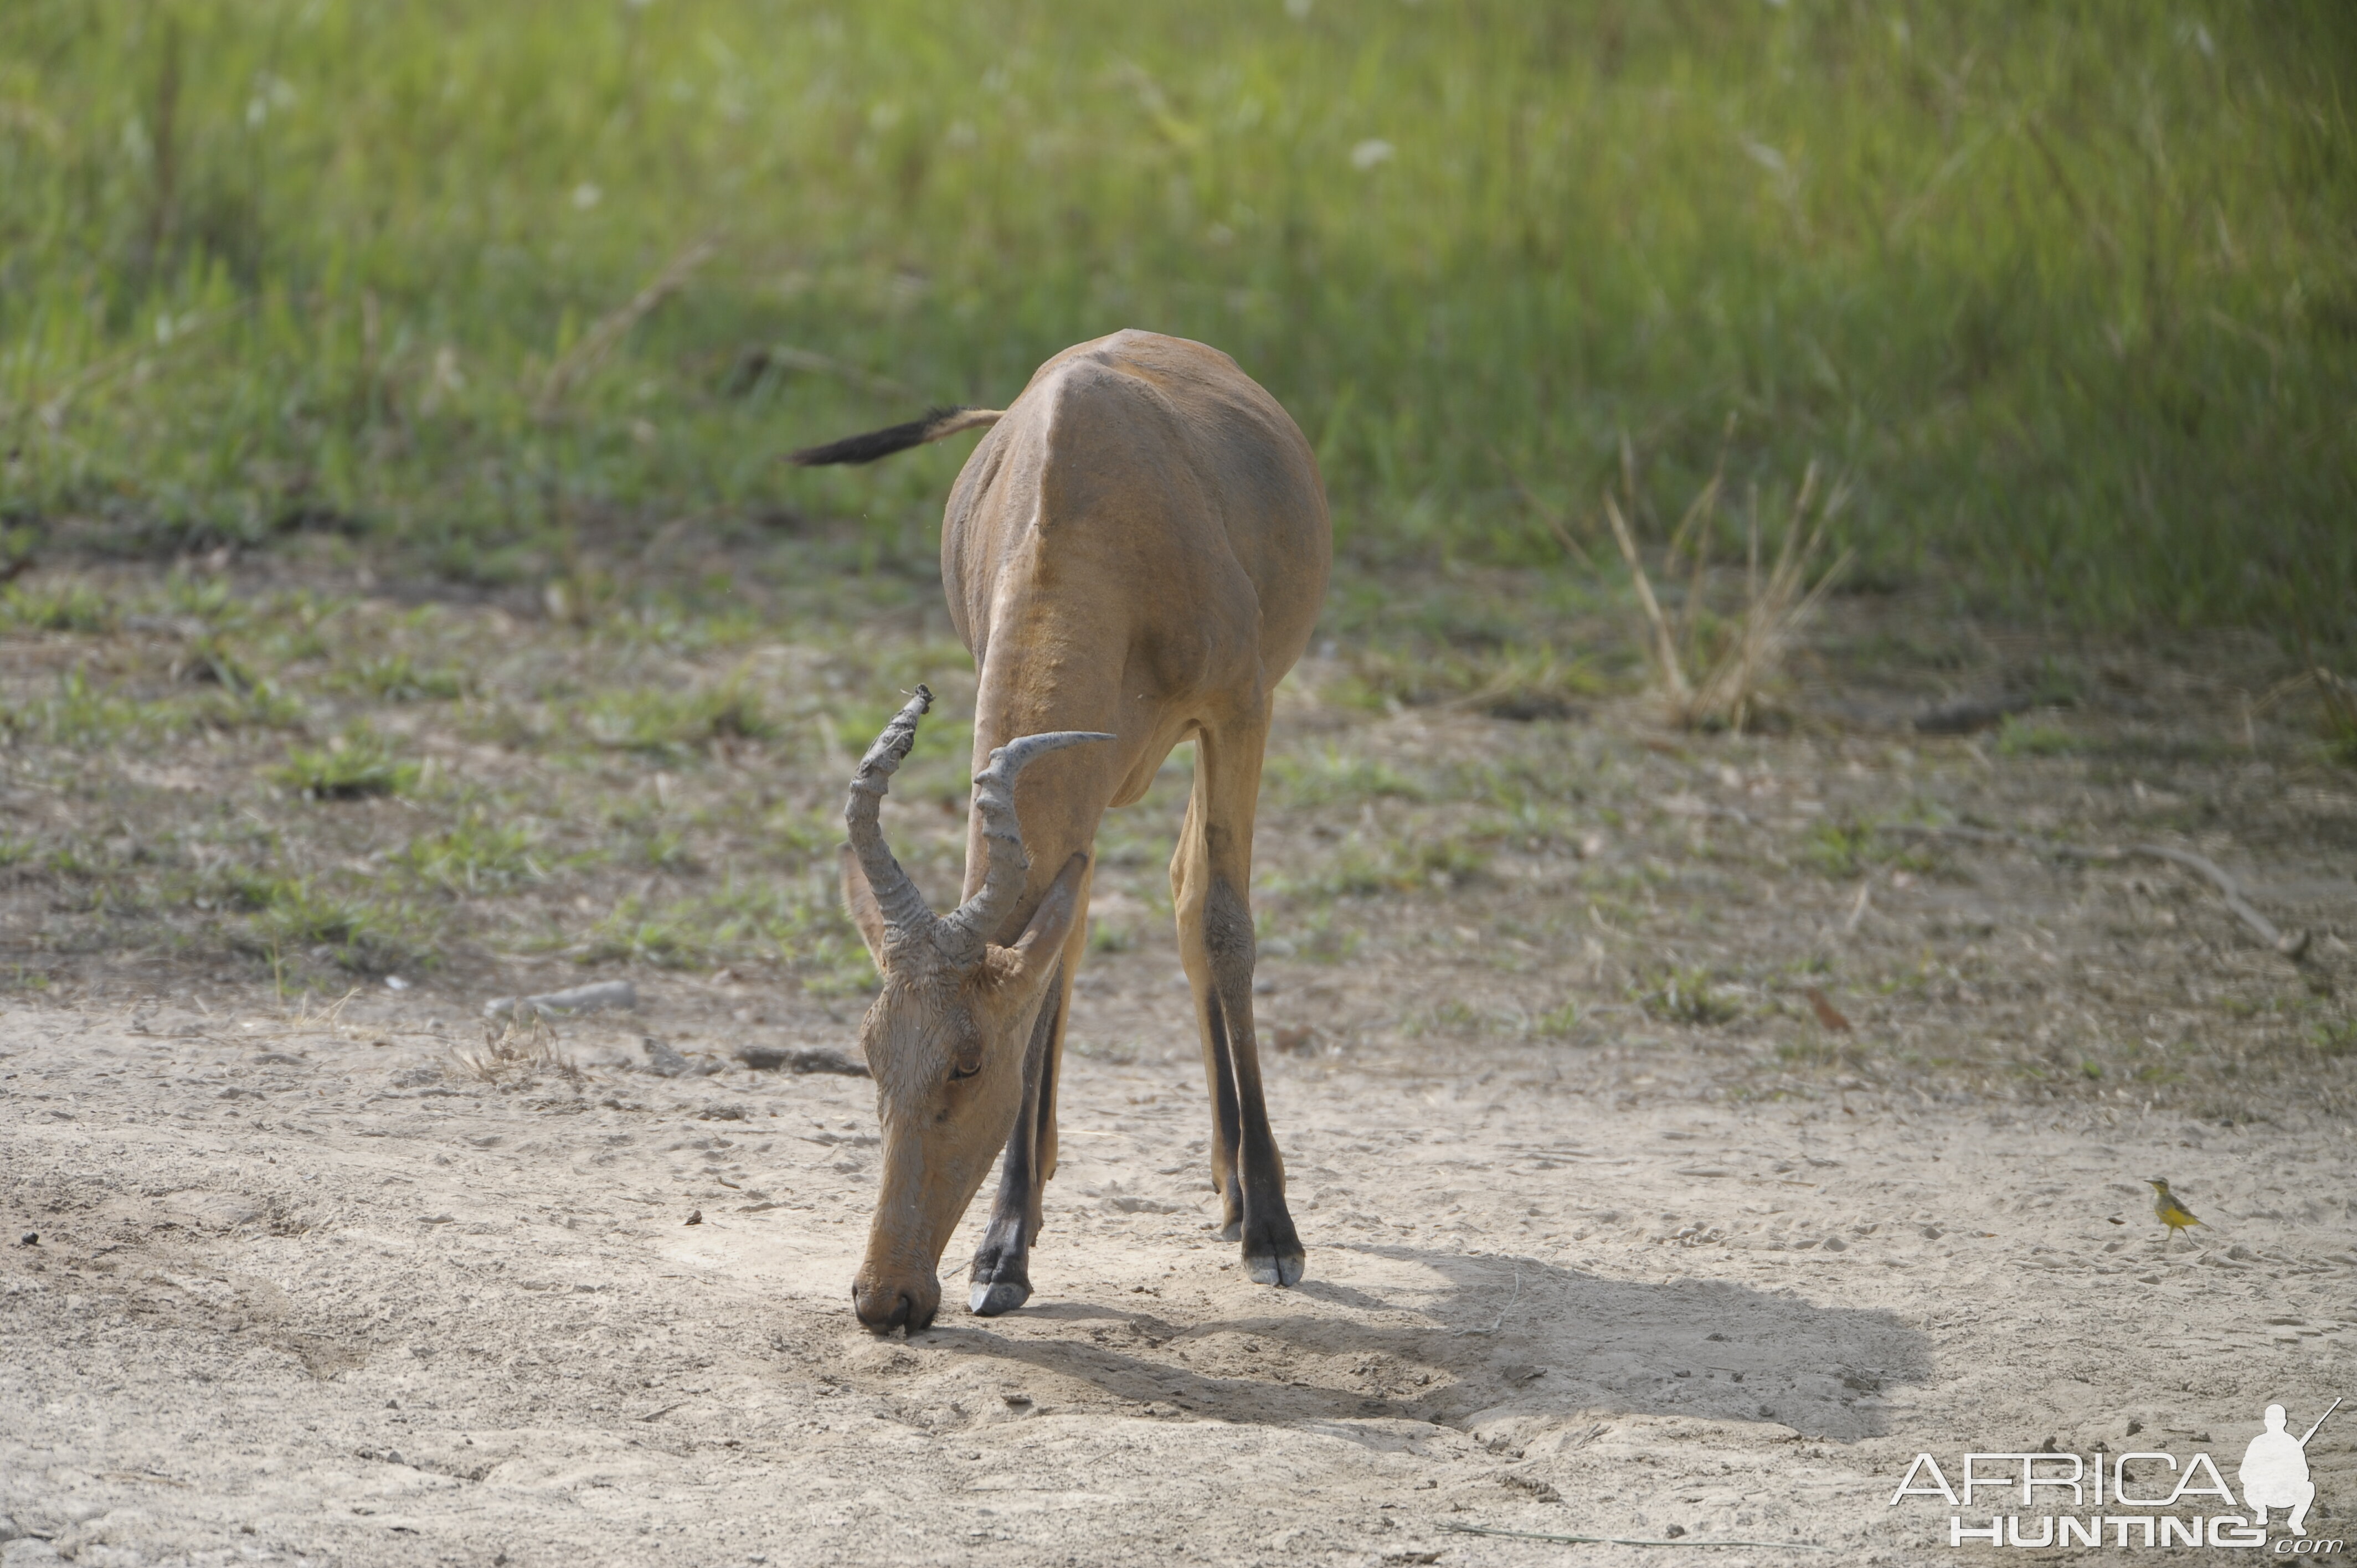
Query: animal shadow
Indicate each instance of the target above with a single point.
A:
(1448, 1336)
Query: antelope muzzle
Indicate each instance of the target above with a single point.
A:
(896, 1299)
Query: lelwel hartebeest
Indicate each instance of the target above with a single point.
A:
(1135, 554)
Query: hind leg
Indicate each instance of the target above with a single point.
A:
(1209, 877)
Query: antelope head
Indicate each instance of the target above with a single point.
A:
(946, 1036)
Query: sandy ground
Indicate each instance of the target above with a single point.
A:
(313, 1292)
(1609, 1233)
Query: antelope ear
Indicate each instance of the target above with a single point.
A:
(859, 900)
(1035, 952)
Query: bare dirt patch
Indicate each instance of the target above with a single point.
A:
(1612, 1230)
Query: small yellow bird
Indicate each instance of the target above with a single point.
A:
(2167, 1210)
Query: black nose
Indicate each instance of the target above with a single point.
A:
(879, 1323)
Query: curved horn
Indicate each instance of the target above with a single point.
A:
(966, 932)
(903, 907)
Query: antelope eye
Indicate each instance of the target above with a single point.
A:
(965, 1067)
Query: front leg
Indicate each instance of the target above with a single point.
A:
(1000, 1277)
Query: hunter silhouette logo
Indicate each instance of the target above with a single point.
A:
(2126, 1492)
(2275, 1471)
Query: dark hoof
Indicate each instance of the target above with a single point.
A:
(1273, 1251)
(1000, 1280)
(990, 1300)
(1284, 1269)
(1233, 1231)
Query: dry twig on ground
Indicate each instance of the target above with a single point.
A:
(2292, 945)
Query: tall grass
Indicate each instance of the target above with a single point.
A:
(2069, 291)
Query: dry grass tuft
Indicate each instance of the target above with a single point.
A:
(2336, 697)
(2336, 701)
(2339, 699)
(520, 1050)
(309, 1016)
(1739, 659)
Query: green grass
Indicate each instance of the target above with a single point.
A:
(366, 936)
(1558, 1022)
(398, 678)
(760, 920)
(349, 768)
(208, 658)
(2030, 737)
(1313, 934)
(73, 606)
(1840, 850)
(670, 723)
(1510, 681)
(1684, 996)
(1846, 848)
(2068, 290)
(1327, 776)
(1438, 860)
(79, 714)
(289, 919)
(473, 855)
